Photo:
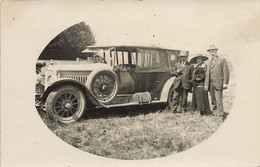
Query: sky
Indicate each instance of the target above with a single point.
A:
(189, 26)
(183, 25)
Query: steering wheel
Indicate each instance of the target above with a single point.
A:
(99, 59)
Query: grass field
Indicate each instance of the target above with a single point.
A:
(138, 136)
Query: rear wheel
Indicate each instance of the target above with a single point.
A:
(66, 104)
(170, 99)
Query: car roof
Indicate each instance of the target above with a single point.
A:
(125, 48)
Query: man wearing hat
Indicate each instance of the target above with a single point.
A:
(182, 83)
(217, 78)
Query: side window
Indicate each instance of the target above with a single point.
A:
(147, 60)
(113, 58)
(108, 58)
(152, 59)
(173, 57)
(163, 59)
(155, 59)
(120, 58)
(133, 57)
(125, 55)
(140, 59)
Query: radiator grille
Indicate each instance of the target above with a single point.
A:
(81, 79)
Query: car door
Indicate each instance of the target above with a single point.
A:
(152, 71)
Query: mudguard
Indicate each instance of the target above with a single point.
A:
(166, 88)
(68, 81)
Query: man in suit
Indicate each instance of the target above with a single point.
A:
(182, 83)
(217, 78)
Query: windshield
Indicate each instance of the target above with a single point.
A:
(91, 57)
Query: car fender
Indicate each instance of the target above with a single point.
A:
(68, 81)
(166, 88)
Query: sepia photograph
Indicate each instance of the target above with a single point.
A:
(130, 102)
(101, 82)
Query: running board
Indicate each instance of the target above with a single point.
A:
(124, 95)
(132, 104)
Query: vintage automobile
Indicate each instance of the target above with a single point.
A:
(112, 76)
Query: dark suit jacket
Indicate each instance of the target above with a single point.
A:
(183, 78)
(218, 73)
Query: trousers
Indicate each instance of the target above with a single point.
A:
(216, 99)
(180, 98)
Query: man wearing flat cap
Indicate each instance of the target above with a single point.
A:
(217, 78)
(182, 83)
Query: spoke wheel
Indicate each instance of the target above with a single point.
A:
(66, 104)
(104, 86)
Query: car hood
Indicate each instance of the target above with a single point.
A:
(78, 67)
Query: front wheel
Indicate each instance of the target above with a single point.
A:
(66, 104)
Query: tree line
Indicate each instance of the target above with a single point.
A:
(69, 43)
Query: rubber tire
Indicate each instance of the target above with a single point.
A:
(169, 103)
(91, 80)
(55, 94)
